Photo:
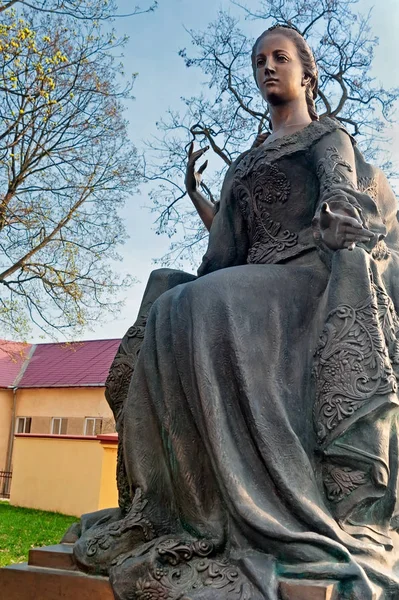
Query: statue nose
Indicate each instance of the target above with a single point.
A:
(269, 66)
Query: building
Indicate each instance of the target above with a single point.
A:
(55, 388)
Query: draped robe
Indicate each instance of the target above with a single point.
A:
(260, 428)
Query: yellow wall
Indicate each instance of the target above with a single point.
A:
(5, 424)
(73, 403)
(63, 475)
(108, 493)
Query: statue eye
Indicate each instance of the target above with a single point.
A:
(260, 62)
(282, 58)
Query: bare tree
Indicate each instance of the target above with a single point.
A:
(229, 115)
(66, 167)
(78, 9)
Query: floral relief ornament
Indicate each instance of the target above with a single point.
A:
(354, 362)
(257, 186)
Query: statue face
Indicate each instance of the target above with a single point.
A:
(279, 71)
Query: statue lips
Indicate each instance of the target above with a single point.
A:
(270, 80)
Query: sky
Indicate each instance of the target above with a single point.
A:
(152, 51)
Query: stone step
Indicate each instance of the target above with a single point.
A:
(59, 556)
(307, 590)
(25, 582)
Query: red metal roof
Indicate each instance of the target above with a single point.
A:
(74, 364)
(12, 358)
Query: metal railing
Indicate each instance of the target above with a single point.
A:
(5, 483)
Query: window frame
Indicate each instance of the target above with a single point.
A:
(27, 421)
(61, 420)
(94, 419)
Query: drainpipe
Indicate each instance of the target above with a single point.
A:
(12, 430)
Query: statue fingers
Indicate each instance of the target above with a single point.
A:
(338, 214)
(325, 216)
(350, 245)
(353, 227)
(202, 167)
(348, 224)
(339, 203)
(356, 237)
(198, 153)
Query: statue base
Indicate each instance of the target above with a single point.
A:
(51, 573)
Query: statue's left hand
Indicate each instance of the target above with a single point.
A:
(342, 228)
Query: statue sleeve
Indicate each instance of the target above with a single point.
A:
(335, 161)
(228, 237)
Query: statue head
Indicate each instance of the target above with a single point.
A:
(309, 78)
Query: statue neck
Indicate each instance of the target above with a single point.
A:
(285, 117)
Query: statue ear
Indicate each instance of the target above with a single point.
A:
(305, 80)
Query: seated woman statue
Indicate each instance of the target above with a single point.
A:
(259, 431)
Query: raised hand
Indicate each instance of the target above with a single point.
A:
(192, 181)
(193, 178)
(342, 228)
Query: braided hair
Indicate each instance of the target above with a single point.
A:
(306, 57)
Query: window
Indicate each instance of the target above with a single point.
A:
(23, 425)
(93, 426)
(59, 426)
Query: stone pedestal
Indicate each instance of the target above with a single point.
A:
(307, 590)
(51, 574)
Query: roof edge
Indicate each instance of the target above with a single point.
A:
(24, 365)
(53, 436)
(62, 385)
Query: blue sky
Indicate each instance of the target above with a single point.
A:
(152, 51)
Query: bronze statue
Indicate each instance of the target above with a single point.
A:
(259, 432)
